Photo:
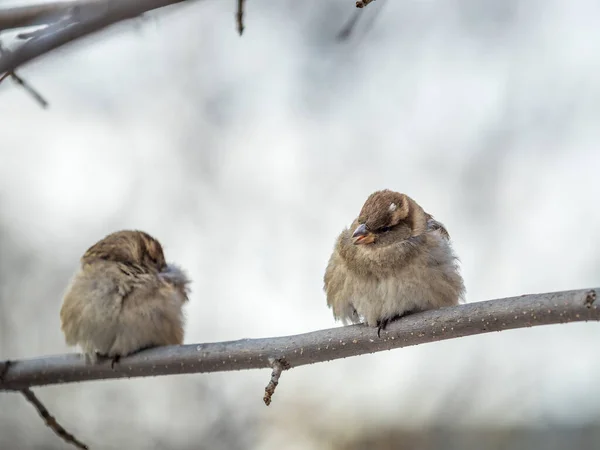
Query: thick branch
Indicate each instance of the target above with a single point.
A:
(318, 346)
(42, 14)
(84, 19)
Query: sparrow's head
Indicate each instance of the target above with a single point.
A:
(388, 217)
(128, 247)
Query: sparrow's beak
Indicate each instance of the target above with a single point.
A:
(362, 236)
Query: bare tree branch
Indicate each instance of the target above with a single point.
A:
(30, 15)
(318, 346)
(51, 421)
(239, 16)
(84, 19)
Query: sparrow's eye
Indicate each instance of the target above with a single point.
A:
(384, 229)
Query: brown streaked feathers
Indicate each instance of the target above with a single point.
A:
(395, 259)
(124, 298)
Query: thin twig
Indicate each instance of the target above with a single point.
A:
(239, 16)
(20, 81)
(278, 365)
(35, 94)
(318, 346)
(363, 3)
(51, 421)
(350, 26)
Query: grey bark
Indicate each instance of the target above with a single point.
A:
(66, 23)
(314, 347)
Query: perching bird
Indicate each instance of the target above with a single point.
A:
(124, 298)
(394, 260)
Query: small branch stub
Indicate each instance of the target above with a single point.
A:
(278, 365)
(363, 3)
(590, 298)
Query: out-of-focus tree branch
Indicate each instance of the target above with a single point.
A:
(65, 23)
(42, 14)
(318, 346)
(350, 26)
(24, 84)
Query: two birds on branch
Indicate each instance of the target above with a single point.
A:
(394, 260)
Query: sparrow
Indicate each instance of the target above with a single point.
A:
(394, 260)
(124, 298)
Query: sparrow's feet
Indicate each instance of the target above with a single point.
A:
(4, 365)
(101, 358)
(355, 315)
(383, 323)
(117, 358)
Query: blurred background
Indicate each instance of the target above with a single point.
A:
(247, 156)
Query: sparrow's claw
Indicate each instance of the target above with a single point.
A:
(381, 325)
(104, 358)
(4, 368)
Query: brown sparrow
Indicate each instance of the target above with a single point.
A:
(394, 260)
(124, 298)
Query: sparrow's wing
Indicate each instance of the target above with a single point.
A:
(177, 277)
(433, 225)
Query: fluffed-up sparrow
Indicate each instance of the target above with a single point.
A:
(395, 259)
(124, 298)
